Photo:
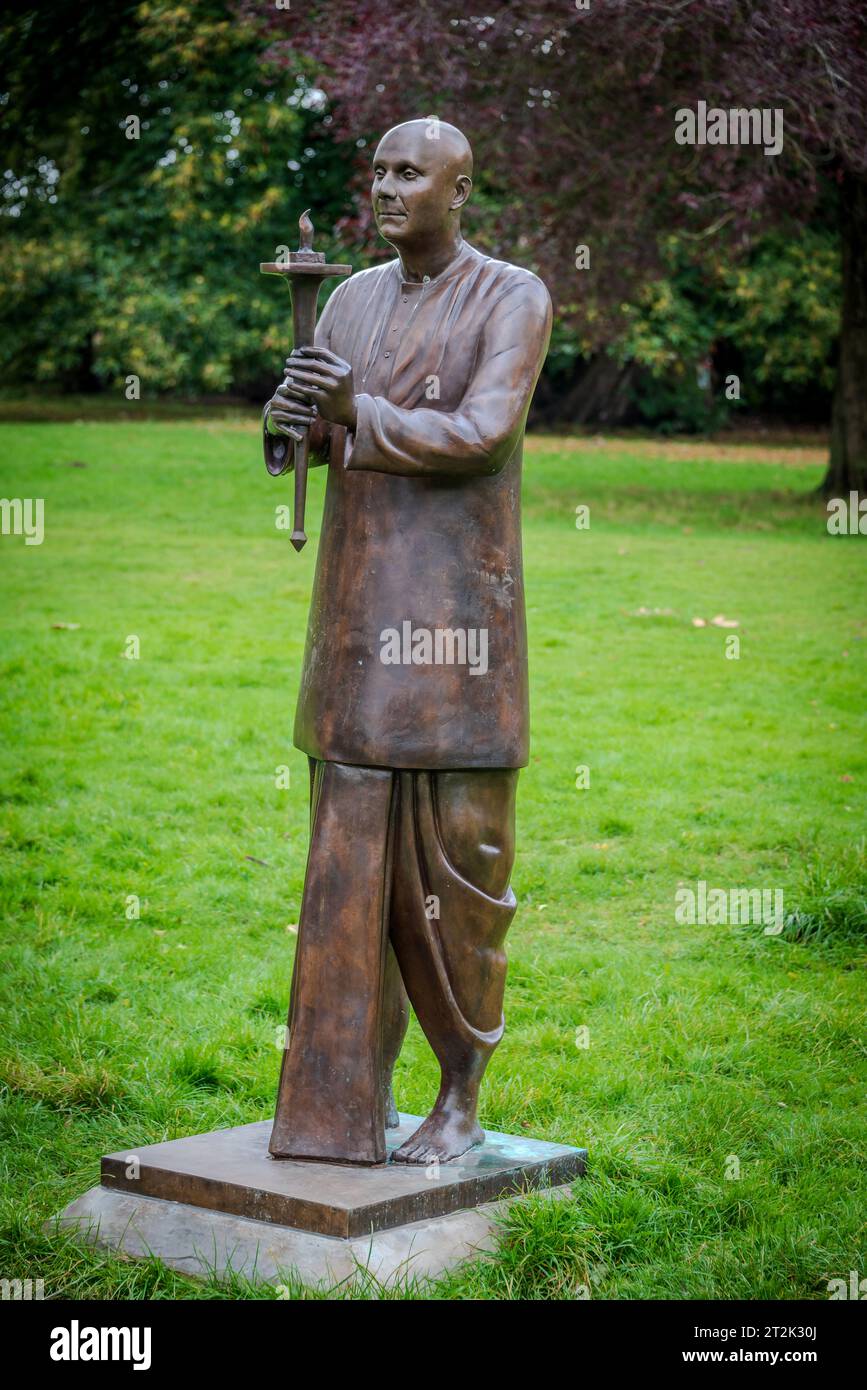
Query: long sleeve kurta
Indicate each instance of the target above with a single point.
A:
(422, 524)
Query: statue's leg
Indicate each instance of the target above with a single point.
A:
(451, 909)
(330, 1096)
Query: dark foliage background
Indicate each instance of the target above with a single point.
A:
(124, 256)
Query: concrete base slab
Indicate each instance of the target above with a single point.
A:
(200, 1242)
(218, 1203)
(231, 1170)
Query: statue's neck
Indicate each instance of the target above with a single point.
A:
(428, 262)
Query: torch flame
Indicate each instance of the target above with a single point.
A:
(306, 229)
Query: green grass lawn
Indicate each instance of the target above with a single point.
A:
(156, 778)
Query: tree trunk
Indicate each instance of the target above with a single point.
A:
(847, 469)
(598, 394)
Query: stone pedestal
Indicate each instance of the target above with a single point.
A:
(219, 1203)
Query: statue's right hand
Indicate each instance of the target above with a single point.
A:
(286, 413)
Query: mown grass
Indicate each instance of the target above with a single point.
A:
(155, 778)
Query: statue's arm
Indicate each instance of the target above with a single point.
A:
(480, 436)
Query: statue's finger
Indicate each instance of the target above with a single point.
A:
(296, 395)
(324, 355)
(314, 378)
(302, 380)
(307, 364)
(291, 431)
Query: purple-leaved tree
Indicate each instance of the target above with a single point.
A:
(572, 109)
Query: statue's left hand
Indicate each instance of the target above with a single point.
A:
(323, 379)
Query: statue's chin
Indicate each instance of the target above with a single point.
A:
(393, 229)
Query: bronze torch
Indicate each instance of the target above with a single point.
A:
(304, 269)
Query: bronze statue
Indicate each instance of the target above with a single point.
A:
(413, 705)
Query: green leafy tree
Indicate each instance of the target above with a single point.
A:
(152, 161)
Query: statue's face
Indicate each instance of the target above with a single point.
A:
(415, 187)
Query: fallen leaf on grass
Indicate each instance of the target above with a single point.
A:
(67, 627)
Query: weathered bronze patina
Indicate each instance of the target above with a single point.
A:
(413, 702)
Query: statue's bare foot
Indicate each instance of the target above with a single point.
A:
(446, 1133)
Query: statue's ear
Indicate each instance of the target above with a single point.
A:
(463, 188)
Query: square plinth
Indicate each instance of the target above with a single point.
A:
(230, 1170)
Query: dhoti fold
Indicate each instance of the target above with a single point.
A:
(418, 862)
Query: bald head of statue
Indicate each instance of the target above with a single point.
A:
(422, 176)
